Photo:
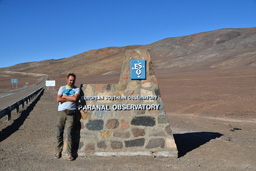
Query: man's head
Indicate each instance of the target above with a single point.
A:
(71, 79)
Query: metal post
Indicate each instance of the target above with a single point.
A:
(17, 107)
(9, 117)
(22, 103)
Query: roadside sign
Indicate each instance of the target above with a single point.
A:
(50, 83)
(14, 80)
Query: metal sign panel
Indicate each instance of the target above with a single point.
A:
(14, 80)
(50, 83)
(138, 69)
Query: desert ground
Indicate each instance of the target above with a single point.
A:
(24, 80)
(212, 115)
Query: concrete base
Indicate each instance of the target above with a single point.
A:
(135, 153)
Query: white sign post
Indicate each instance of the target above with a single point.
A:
(50, 83)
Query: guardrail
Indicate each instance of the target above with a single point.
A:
(7, 111)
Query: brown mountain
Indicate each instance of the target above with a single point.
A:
(220, 49)
(206, 73)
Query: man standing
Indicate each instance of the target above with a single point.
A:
(67, 97)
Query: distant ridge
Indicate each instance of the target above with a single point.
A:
(219, 49)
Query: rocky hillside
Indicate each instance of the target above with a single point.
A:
(84, 64)
(220, 49)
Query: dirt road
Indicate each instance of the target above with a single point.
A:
(203, 143)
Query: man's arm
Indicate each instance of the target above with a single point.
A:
(61, 98)
(71, 98)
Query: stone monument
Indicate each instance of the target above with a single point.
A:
(127, 118)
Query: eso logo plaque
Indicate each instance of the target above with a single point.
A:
(138, 69)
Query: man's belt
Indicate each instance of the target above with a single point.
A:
(69, 112)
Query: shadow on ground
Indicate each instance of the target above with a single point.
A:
(6, 132)
(190, 141)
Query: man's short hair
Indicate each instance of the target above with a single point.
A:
(71, 74)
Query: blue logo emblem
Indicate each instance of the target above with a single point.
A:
(138, 69)
(69, 92)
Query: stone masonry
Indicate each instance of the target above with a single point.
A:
(109, 128)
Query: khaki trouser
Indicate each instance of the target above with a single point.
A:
(63, 120)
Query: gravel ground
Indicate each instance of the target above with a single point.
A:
(204, 143)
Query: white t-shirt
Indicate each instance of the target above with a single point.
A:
(65, 91)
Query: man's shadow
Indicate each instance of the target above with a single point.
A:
(77, 127)
(190, 141)
(76, 135)
(6, 132)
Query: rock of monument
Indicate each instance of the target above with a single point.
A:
(127, 118)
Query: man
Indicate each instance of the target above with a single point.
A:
(67, 97)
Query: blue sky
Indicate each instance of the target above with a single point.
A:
(35, 30)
